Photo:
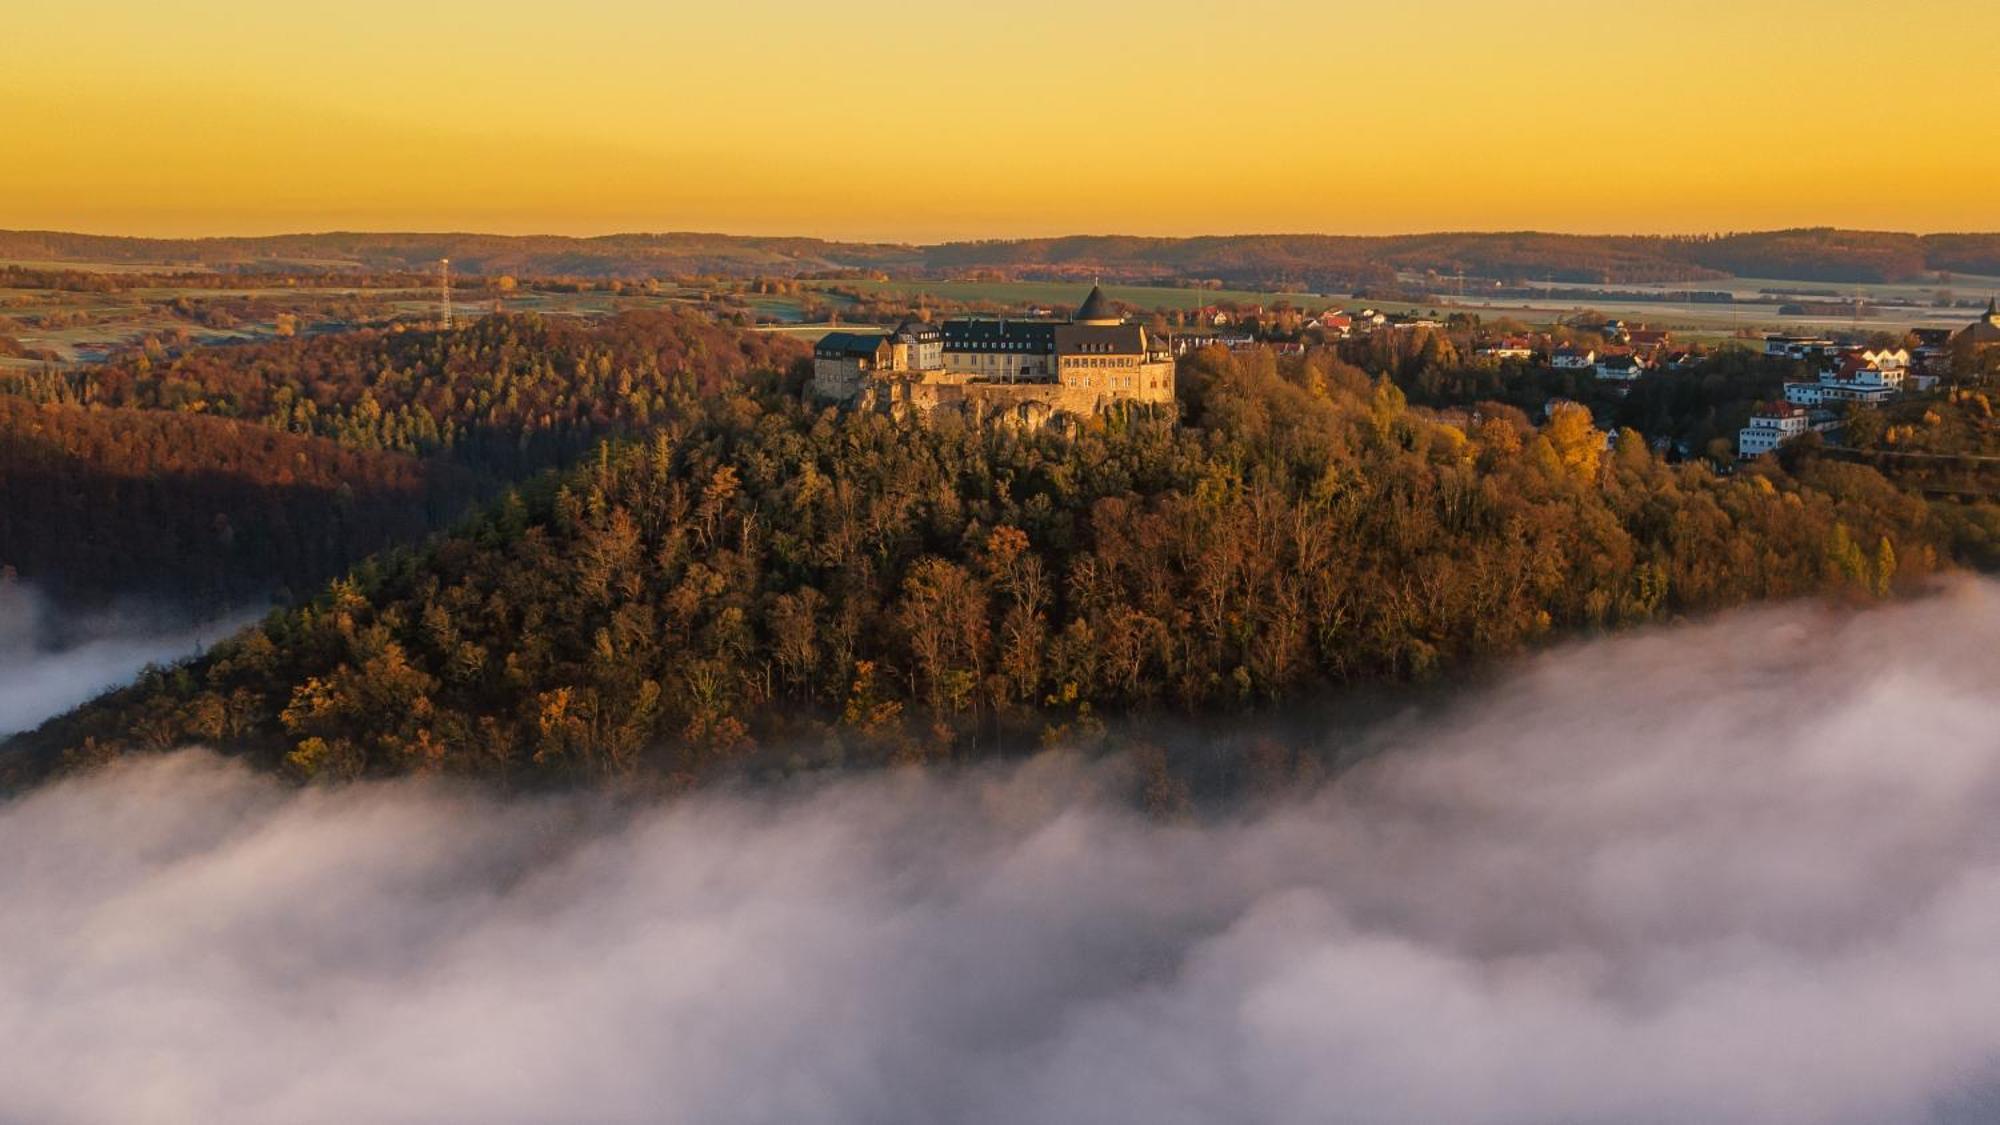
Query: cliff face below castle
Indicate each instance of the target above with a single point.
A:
(928, 394)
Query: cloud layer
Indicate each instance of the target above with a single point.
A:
(50, 663)
(1747, 871)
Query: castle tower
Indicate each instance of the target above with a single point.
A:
(1096, 309)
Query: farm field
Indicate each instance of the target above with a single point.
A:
(1060, 294)
(102, 267)
(1760, 298)
(1962, 286)
(70, 327)
(67, 327)
(1742, 317)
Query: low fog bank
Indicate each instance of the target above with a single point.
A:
(51, 661)
(1747, 871)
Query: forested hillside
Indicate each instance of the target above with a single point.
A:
(544, 255)
(234, 474)
(509, 394)
(759, 580)
(1324, 261)
(198, 510)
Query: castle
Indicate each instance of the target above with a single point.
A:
(1022, 371)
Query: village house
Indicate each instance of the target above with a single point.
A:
(1984, 332)
(1508, 347)
(1333, 322)
(1623, 368)
(1784, 346)
(1771, 426)
(1866, 377)
(1573, 359)
(1186, 343)
(1930, 360)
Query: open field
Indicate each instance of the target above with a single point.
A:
(74, 327)
(1705, 319)
(810, 333)
(1963, 286)
(1063, 294)
(102, 267)
(87, 327)
(1758, 301)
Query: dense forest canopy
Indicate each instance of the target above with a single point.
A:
(199, 510)
(1324, 261)
(237, 473)
(749, 578)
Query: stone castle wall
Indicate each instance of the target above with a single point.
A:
(1031, 405)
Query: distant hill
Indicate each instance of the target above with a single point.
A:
(619, 255)
(1314, 260)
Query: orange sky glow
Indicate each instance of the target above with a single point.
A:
(880, 119)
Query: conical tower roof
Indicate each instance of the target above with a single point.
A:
(1096, 309)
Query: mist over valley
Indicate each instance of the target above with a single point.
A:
(1572, 895)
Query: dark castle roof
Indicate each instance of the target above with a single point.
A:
(837, 344)
(973, 335)
(913, 331)
(1100, 339)
(1096, 306)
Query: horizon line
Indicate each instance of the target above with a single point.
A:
(971, 240)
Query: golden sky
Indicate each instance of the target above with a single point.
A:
(904, 121)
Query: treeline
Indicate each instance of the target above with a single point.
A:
(623, 255)
(85, 280)
(1321, 261)
(205, 511)
(1333, 261)
(1815, 254)
(1826, 254)
(507, 396)
(759, 581)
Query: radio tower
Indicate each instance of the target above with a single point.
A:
(444, 290)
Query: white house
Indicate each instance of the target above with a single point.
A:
(1573, 359)
(1796, 347)
(1511, 347)
(1805, 394)
(1770, 427)
(1867, 377)
(1333, 322)
(1620, 368)
(1895, 361)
